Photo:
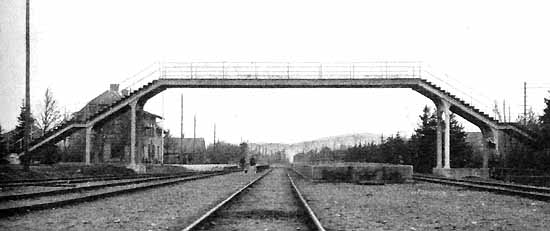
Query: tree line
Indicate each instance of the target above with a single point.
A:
(419, 149)
(49, 116)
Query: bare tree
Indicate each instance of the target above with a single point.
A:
(50, 115)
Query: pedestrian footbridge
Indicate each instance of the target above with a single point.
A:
(156, 79)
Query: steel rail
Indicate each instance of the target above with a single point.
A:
(213, 210)
(497, 184)
(73, 180)
(88, 188)
(502, 189)
(5, 212)
(304, 203)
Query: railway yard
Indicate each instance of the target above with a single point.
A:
(274, 199)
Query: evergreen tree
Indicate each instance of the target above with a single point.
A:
(422, 142)
(461, 150)
(394, 150)
(2, 144)
(544, 122)
(19, 135)
(542, 156)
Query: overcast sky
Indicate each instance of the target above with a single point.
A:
(79, 47)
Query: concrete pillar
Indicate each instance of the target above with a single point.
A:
(491, 144)
(162, 144)
(87, 156)
(447, 138)
(133, 109)
(443, 134)
(439, 139)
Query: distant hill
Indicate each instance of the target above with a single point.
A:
(332, 142)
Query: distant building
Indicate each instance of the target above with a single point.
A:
(12, 144)
(111, 138)
(183, 151)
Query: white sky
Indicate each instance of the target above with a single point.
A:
(79, 47)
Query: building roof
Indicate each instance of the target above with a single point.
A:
(185, 144)
(104, 99)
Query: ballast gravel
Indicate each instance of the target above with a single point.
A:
(421, 206)
(163, 208)
(269, 205)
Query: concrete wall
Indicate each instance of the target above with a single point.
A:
(356, 172)
(462, 172)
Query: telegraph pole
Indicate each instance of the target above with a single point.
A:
(214, 137)
(27, 137)
(524, 103)
(194, 133)
(509, 113)
(504, 110)
(181, 128)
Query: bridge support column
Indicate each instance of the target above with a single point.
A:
(443, 134)
(133, 109)
(134, 165)
(439, 143)
(491, 144)
(87, 157)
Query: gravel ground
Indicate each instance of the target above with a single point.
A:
(66, 196)
(268, 205)
(34, 189)
(27, 189)
(421, 206)
(154, 209)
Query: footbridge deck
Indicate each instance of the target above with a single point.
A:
(444, 100)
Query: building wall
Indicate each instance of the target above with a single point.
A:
(111, 141)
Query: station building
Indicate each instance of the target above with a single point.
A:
(111, 139)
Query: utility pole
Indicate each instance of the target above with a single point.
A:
(194, 132)
(214, 137)
(509, 113)
(504, 110)
(524, 103)
(181, 128)
(27, 138)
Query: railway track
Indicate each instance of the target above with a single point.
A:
(92, 184)
(270, 202)
(25, 202)
(533, 192)
(62, 182)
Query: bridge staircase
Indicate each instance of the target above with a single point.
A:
(513, 128)
(68, 127)
(157, 80)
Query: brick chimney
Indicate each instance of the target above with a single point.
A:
(113, 87)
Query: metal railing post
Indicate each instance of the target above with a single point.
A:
(160, 69)
(223, 70)
(191, 69)
(353, 70)
(255, 70)
(387, 75)
(288, 70)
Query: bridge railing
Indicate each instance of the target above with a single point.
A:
(306, 70)
(462, 91)
(287, 70)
